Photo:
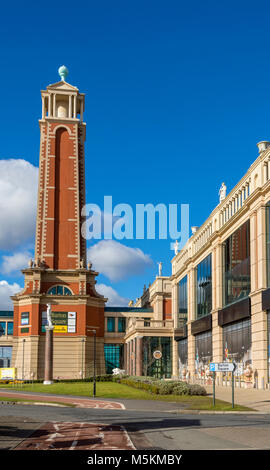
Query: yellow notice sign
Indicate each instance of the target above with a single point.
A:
(60, 328)
(8, 373)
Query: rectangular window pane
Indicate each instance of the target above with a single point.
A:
(110, 324)
(203, 352)
(237, 265)
(237, 344)
(114, 357)
(183, 357)
(10, 328)
(5, 356)
(3, 327)
(204, 287)
(121, 325)
(183, 302)
(25, 318)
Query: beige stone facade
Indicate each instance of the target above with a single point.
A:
(246, 202)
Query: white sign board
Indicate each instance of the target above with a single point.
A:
(222, 367)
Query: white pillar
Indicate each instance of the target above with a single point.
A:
(69, 107)
(74, 108)
(265, 172)
(81, 111)
(54, 104)
(43, 107)
(268, 167)
(49, 106)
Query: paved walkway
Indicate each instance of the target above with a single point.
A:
(77, 436)
(252, 398)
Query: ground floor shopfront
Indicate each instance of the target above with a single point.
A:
(236, 342)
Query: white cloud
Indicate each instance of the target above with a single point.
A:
(15, 262)
(6, 290)
(18, 199)
(114, 299)
(117, 261)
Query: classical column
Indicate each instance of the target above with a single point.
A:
(54, 105)
(74, 107)
(128, 357)
(138, 357)
(43, 107)
(265, 172)
(69, 107)
(49, 105)
(268, 167)
(48, 376)
(81, 110)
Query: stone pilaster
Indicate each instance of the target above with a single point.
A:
(175, 359)
(191, 317)
(217, 276)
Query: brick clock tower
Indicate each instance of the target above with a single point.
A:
(59, 275)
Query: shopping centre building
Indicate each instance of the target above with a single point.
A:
(215, 306)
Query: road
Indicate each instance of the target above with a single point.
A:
(134, 429)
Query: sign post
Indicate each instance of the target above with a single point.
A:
(214, 388)
(233, 388)
(222, 367)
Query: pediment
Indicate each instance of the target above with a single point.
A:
(62, 86)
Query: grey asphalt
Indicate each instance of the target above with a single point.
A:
(157, 430)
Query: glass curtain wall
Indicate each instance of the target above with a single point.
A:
(114, 357)
(5, 356)
(237, 265)
(204, 287)
(203, 353)
(161, 367)
(183, 302)
(237, 345)
(183, 357)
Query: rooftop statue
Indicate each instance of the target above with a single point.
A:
(222, 192)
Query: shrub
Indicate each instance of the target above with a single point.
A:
(197, 390)
(181, 388)
(161, 387)
(166, 388)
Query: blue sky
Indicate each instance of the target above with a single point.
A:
(177, 96)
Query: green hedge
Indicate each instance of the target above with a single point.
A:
(99, 378)
(161, 387)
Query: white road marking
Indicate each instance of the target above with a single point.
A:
(75, 442)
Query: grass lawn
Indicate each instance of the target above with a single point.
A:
(120, 391)
(19, 400)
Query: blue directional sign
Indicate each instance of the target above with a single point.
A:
(222, 367)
